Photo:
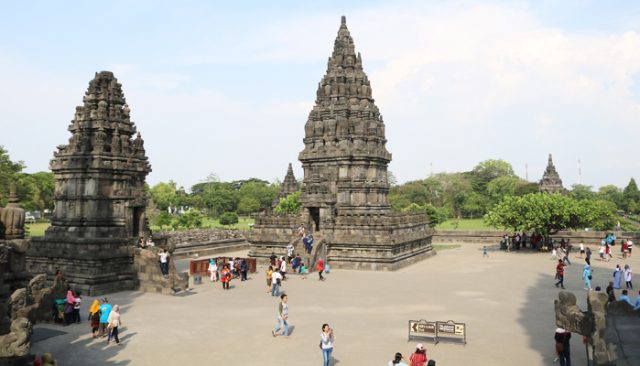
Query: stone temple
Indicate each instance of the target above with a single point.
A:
(551, 182)
(289, 185)
(99, 196)
(345, 186)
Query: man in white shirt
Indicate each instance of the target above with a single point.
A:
(164, 262)
(290, 251)
(283, 268)
(276, 281)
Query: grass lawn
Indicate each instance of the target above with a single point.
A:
(464, 224)
(36, 229)
(439, 247)
(209, 223)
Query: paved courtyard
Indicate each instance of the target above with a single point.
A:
(506, 301)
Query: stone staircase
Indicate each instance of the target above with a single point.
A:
(317, 251)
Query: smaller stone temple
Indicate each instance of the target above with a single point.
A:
(289, 185)
(345, 185)
(99, 197)
(551, 182)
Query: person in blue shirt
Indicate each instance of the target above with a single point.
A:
(625, 297)
(105, 309)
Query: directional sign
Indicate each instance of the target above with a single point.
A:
(422, 329)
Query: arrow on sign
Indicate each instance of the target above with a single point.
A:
(414, 326)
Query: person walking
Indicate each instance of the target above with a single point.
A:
(581, 249)
(563, 349)
(560, 274)
(586, 276)
(76, 308)
(114, 323)
(94, 317)
(244, 268)
(68, 307)
(269, 274)
(627, 276)
(484, 251)
(587, 258)
(320, 268)
(213, 270)
(419, 357)
(611, 296)
(283, 268)
(105, 310)
(327, 339)
(397, 360)
(617, 277)
(225, 277)
(283, 317)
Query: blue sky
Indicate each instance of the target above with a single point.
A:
(226, 87)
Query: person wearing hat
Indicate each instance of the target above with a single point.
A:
(419, 357)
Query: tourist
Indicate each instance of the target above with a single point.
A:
(231, 264)
(397, 360)
(68, 307)
(276, 281)
(611, 295)
(283, 268)
(295, 263)
(607, 252)
(269, 273)
(304, 271)
(581, 249)
(636, 306)
(308, 242)
(625, 297)
(76, 308)
(244, 268)
(627, 276)
(105, 309)
(114, 323)
(226, 277)
(327, 339)
(560, 274)
(624, 248)
(567, 250)
(586, 276)
(484, 251)
(150, 242)
(563, 346)
(431, 363)
(272, 259)
(554, 254)
(320, 268)
(283, 316)
(289, 252)
(617, 277)
(301, 231)
(164, 262)
(630, 246)
(94, 317)
(601, 251)
(587, 258)
(213, 270)
(419, 357)
(141, 242)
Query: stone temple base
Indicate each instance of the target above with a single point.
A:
(92, 266)
(362, 242)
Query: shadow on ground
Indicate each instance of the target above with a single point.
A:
(64, 342)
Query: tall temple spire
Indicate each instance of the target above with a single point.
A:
(551, 182)
(345, 137)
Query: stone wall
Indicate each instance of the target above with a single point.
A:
(197, 235)
(494, 236)
(149, 276)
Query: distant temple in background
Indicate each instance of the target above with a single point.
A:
(288, 186)
(345, 185)
(551, 182)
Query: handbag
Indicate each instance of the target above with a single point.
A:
(559, 347)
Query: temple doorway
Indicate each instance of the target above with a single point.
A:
(314, 213)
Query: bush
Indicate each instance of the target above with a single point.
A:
(228, 218)
(289, 204)
(191, 219)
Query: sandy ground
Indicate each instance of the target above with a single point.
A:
(505, 300)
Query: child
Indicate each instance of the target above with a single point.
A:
(76, 308)
(484, 251)
(303, 271)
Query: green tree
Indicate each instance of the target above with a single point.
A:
(488, 170)
(611, 193)
(630, 194)
(9, 170)
(248, 205)
(289, 204)
(164, 194)
(473, 205)
(582, 192)
(228, 218)
(163, 219)
(191, 219)
(549, 213)
(502, 186)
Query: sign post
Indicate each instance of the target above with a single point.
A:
(423, 329)
(452, 332)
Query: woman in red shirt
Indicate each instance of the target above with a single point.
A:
(320, 268)
(226, 277)
(419, 357)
